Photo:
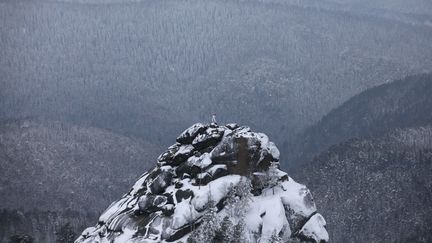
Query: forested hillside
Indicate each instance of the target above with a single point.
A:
(57, 166)
(129, 66)
(42, 226)
(369, 163)
(49, 170)
(402, 103)
(375, 190)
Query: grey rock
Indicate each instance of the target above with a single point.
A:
(189, 134)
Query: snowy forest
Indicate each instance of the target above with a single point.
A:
(321, 130)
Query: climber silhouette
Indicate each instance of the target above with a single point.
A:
(213, 121)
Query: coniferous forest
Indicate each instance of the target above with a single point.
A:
(334, 95)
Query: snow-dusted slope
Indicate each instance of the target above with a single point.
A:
(217, 183)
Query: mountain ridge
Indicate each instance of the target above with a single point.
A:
(398, 104)
(376, 189)
(52, 161)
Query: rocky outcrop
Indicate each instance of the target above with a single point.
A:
(205, 168)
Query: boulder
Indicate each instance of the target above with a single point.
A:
(189, 134)
(209, 138)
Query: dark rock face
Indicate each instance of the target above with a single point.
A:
(189, 134)
(209, 138)
(204, 166)
(176, 154)
(181, 195)
(162, 180)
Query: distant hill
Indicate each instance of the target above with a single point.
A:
(42, 226)
(375, 190)
(57, 166)
(402, 103)
(136, 66)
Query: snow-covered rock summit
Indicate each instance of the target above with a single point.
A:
(215, 184)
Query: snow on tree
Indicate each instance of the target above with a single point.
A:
(239, 232)
(272, 175)
(208, 227)
(226, 231)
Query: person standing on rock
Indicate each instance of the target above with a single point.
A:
(214, 119)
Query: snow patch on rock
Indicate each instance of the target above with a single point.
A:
(205, 170)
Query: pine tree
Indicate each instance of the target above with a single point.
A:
(272, 175)
(243, 191)
(226, 231)
(209, 225)
(212, 229)
(240, 208)
(231, 200)
(239, 232)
